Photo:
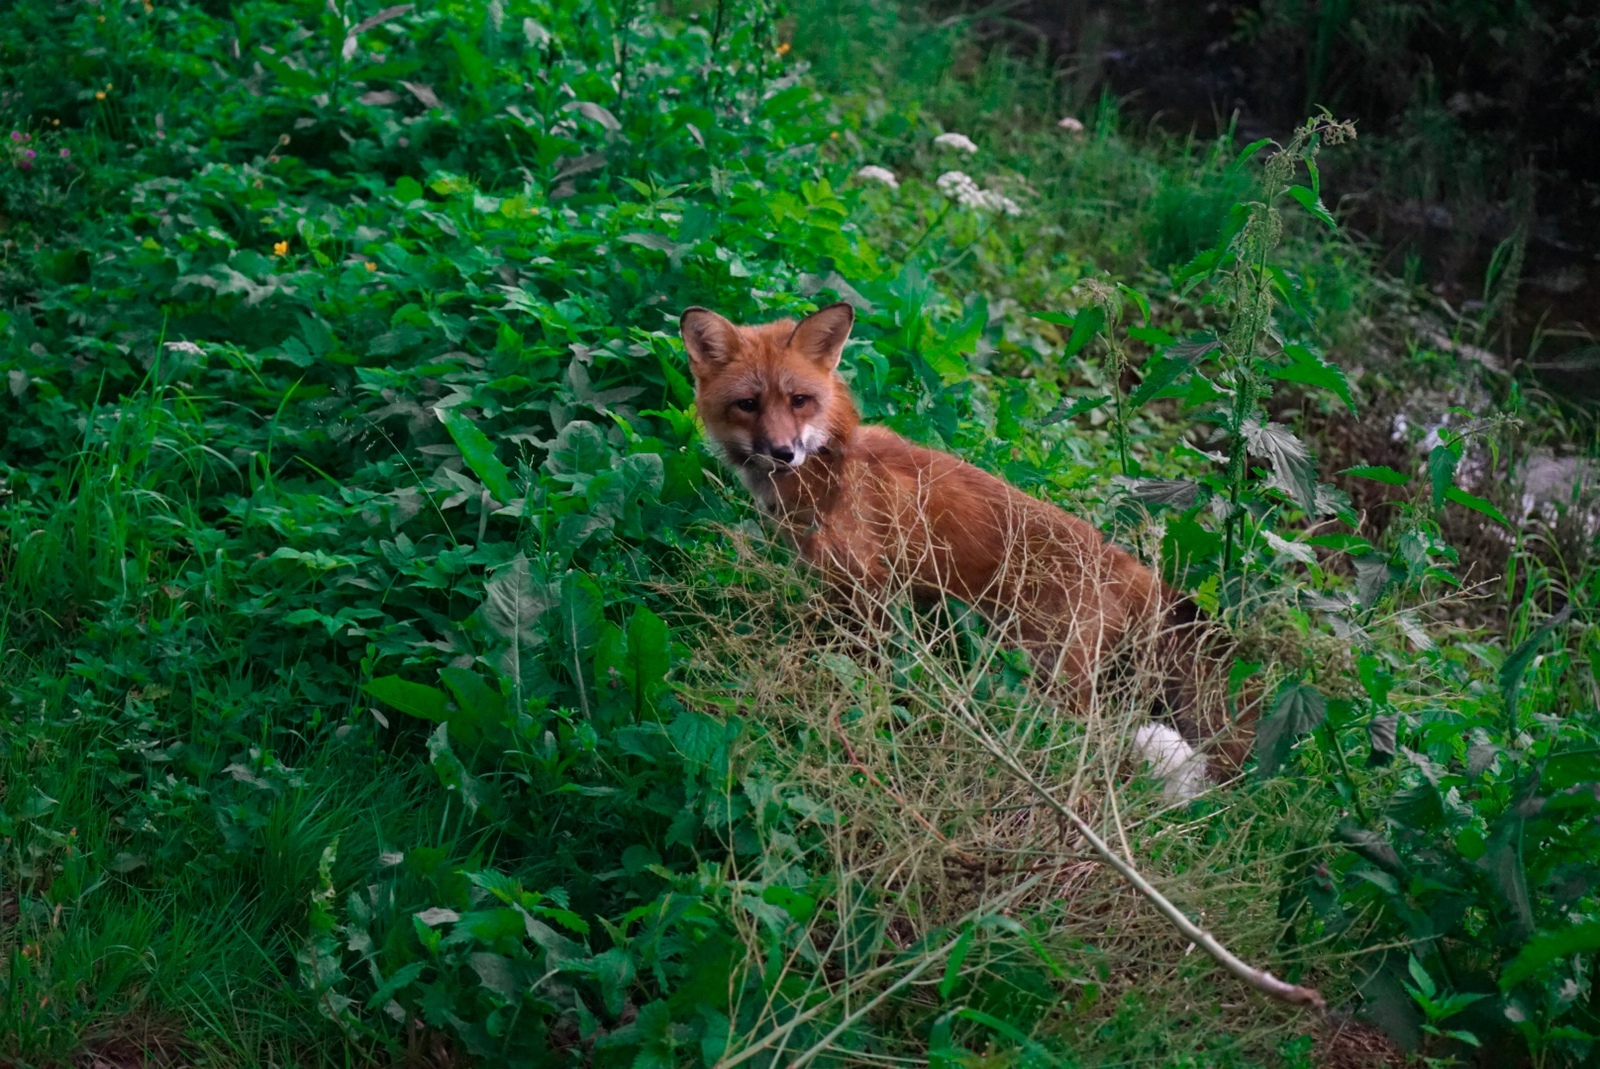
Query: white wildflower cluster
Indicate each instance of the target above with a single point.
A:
(959, 142)
(188, 347)
(965, 191)
(1071, 125)
(873, 173)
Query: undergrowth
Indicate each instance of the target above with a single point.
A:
(391, 674)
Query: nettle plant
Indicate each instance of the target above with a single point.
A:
(1476, 845)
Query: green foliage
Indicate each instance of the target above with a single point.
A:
(346, 447)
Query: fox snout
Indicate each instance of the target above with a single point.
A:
(772, 449)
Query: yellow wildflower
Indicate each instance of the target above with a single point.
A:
(280, 248)
(783, 49)
(99, 94)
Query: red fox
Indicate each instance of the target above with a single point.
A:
(876, 513)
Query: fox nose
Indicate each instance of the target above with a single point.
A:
(781, 452)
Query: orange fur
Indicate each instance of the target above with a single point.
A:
(875, 512)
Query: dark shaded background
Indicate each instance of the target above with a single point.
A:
(1477, 171)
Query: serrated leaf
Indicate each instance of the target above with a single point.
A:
(1293, 469)
(478, 452)
(1442, 460)
(1381, 473)
(696, 736)
(1161, 372)
(1299, 708)
(1477, 504)
(1374, 573)
(1084, 327)
(1070, 407)
(1313, 204)
(1305, 368)
(1178, 492)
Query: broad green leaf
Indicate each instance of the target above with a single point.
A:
(1293, 469)
(1299, 708)
(1161, 372)
(415, 699)
(513, 603)
(478, 452)
(696, 736)
(1305, 368)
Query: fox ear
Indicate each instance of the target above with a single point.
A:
(821, 335)
(709, 339)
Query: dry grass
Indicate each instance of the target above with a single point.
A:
(887, 725)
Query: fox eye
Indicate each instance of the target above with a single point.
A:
(799, 400)
(745, 404)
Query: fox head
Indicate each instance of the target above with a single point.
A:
(770, 395)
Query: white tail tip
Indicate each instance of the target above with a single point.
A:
(1181, 769)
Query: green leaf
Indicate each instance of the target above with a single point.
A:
(1305, 368)
(1163, 371)
(1299, 709)
(414, 699)
(1516, 665)
(1070, 407)
(1381, 473)
(1085, 327)
(1546, 948)
(453, 775)
(1313, 204)
(512, 605)
(495, 971)
(478, 452)
(1293, 469)
(952, 967)
(1442, 462)
(1477, 504)
(696, 736)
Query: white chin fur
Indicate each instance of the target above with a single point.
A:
(1181, 769)
(809, 444)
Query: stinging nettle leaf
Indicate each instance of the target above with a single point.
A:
(1299, 708)
(1071, 407)
(1293, 469)
(1477, 504)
